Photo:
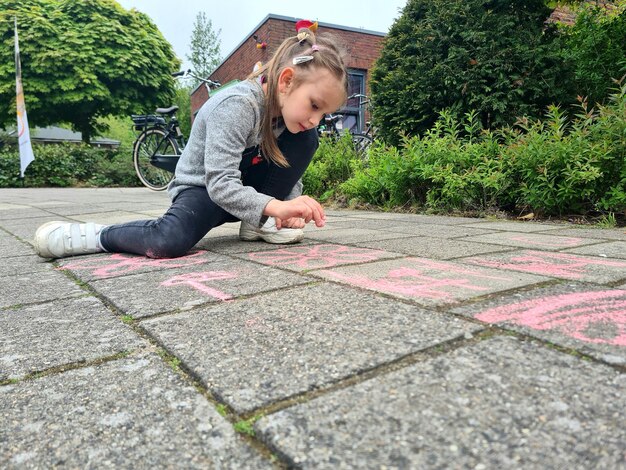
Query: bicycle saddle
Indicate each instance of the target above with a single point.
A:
(170, 110)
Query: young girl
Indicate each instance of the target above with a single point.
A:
(249, 146)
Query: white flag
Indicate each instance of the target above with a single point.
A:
(23, 134)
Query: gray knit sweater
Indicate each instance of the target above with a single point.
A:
(227, 124)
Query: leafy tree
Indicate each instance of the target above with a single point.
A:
(81, 61)
(205, 46)
(495, 57)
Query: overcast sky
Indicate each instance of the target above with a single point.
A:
(237, 18)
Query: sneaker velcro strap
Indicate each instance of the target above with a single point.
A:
(75, 236)
(90, 235)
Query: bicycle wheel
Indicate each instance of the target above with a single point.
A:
(361, 145)
(151, 142)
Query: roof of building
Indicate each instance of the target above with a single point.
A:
(59, 134)
(272, 16)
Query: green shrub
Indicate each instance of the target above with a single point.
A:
(66, 165)
(333, 163)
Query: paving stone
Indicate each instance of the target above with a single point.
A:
(436, 231)
(434, 248)
(426, 281)
(604, 250)
(38, 337)
(252, 352)
(412, 218)
(26, 228)
(10, 246)
(518, 226)
(150, 293)
(342, 235)
(590, 319)
(14, 211)
(108, 265)
(17, 265)
(595, 233)
(501, 403)
(38, 286)
(232, 245)
(533, 240)
(559, 265)
(110, 217)
(129, 413)
(323, 255)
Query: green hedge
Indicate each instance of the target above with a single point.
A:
(551, 167)
(67, 165)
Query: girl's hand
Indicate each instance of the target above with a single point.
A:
(294, 222)
(303, 207)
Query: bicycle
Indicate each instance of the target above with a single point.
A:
(362, 140)
(331, 127)
(158, 147)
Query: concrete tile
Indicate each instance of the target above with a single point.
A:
(38, 286)
(252, 352)
(14, 211)
(595, 233)
(129, 413)
(433, 248)
(155, 292)
(344, 235)
(615, 249)
(590, 319)
(41, 336)
(536, 241)
(109, 217)
(10, 246)
(559, 265)
(304, 258)
(428, 282)
(17, 265)
(501, 403)
(232, 244)
(518, 226)
(108, 265)
(436, 231)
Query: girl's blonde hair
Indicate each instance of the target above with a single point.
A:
(325, 53)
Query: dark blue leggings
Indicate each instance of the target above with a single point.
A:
(193, 213)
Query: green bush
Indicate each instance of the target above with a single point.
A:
(67, 165)
(550, 167)
(334, 162)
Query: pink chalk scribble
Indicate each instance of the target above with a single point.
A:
(550, 264)
(416, 282)
(197, 280)
(571, 314)
(562, 242)
(316, 256)
(118, 264)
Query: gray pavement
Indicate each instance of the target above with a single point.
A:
(383, 341)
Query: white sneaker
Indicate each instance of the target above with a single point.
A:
(59, 239)
(269, 233)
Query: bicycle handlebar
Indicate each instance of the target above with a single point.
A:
(185, 73)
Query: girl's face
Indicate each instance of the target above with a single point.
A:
(304, 105)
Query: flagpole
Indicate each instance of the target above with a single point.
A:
(23, 132)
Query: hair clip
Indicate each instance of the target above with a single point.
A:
(302, 59)
(303, 35)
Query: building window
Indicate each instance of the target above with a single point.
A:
(353, 115)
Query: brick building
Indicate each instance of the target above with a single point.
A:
(363, 47)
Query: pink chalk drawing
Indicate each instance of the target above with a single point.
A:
(573, 315)
(562, 242)
(118, 264)
(549, 264)
(316, 256)
(414, 282)
(197, 280)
